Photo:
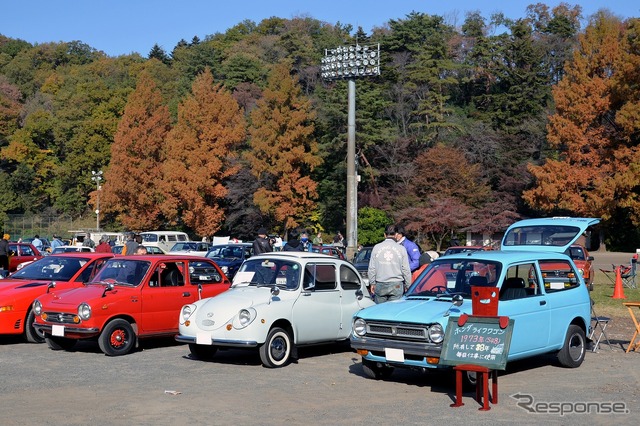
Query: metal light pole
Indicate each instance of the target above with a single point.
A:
(351, 62)
(97, 177)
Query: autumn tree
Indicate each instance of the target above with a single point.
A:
(132, 181)
(200, 155)
(283, 151)
(590, 151)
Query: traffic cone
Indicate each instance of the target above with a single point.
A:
(618, 292)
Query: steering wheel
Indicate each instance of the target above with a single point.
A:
(439, 287)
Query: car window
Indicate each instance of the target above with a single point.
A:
(90, 271)
(56, 268)
(26, 250)
(283, 273)
(201, 272)
(320, 277)
(558, 275)
(520, 281)
(349, 279)
(123, 271)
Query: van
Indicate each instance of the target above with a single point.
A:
(163, 239)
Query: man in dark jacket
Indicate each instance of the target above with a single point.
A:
(293, 243)
(262, 243)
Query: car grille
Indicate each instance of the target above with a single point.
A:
(60, 318)
(398, 331)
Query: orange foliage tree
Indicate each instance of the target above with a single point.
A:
(132, 180)
(199, 151)
(283, 151)
(594, 168)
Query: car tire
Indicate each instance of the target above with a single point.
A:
(202, 352)
(375, 370)
(575, 346)
(117, 338)
(58, 343)
(276, 350)
(31, 334)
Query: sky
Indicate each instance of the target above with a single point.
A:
(120, 27)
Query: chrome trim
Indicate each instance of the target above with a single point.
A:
(410, 348)
(230, 343)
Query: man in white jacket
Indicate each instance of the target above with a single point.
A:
(389, 273)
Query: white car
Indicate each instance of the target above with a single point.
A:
(194, 248)
(71, 249)
(278, 301)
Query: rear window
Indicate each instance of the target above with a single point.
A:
(541, 235)
(558, 275)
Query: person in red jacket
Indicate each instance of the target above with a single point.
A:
(104, 246)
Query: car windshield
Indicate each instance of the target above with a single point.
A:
(123, 271)
(226, 252)
(54, 268)
(183, 246)
(455, 276)
(269, 272)
(363, 255)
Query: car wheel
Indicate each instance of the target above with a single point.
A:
(575, 344)
(117, 338)
(32, 335)
(276, 351)
(375, 370)
(202, 352)
(58, 343)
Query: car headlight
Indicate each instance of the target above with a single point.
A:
(436, 333)
(360, 327)
(84, 311)
(581, 272)
(244, 318)
(187, 311)
(37, 307)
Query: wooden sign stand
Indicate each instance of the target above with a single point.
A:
(485, 312)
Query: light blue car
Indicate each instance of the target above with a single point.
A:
(539, 287)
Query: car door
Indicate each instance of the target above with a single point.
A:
(529, 308)
(163, 295)
(349, 302)
(316, 313)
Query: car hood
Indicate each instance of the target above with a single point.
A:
(228, 303)
(73, 297)
(417, 310)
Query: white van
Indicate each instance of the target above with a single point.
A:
(163, 239)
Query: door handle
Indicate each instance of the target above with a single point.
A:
(186, 294)
(543, 302)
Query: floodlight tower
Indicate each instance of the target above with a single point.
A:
(97, 177)
(351, 62)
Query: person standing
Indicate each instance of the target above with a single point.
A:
(293, 242)
(318, 239)
(262, 244)
(131, 245)
(37, 243)
(104, 246)
(56, 242)
(304, 240)
(389, 273)
(4, 252)
(413, 251)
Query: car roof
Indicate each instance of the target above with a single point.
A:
(502, 256)
(297, 255)
(555, 234)
(89, 254)
(231, 244)
(170, 257)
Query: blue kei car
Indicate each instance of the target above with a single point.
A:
(539, 287)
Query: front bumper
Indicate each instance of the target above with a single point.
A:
(216, 342)
(69, 331)
(416, 354)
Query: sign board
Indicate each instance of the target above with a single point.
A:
(480, 341)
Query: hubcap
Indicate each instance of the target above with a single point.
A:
(278, 348)
(118, 338)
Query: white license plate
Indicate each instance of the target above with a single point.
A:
(57, 330)
(394, 355)
(203, 339)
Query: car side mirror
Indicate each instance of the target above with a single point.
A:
(359, 294)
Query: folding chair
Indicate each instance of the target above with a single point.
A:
(628, 274)
(599, 322)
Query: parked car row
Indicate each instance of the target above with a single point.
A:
(280, 301)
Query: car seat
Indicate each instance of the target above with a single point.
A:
(513, 288)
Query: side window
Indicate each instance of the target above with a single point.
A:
(520, 281)
(201, 272)
(558, 275)
(321, 277)
(90, 271)
(26, 251)
(170, 274)
(349, 279)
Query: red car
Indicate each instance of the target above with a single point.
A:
(583, 261)
(18, 292)
(132, 297)
(330, 250)
(22, 252)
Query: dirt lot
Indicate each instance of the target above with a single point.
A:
(326, 386)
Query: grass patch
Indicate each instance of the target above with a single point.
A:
(602, 292)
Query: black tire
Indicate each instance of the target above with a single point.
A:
(58, 343)
(202, 352)
(376, 371)
(117, 338)
(575, 346)
(31, 334)
(469, 380)
(276, 351)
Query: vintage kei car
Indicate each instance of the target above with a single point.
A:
(131, 297)
(58, 271)
(278, 301)
(551, 311)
